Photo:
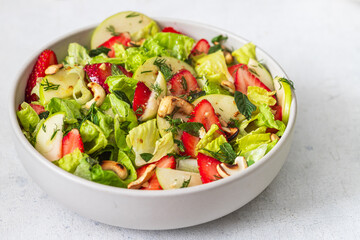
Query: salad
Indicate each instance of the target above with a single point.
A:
(152, 108)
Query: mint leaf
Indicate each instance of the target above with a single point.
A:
(228, 151)
(186, 183)
(98, 51)
(146, 156)
(191, 128)
(219, 39)
(122, 96)
(243, 104)
(180, 145)
(115, 71)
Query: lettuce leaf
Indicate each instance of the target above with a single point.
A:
(214, 145)
(142, 139)
(163, 146)
(71, 108)
(244, 53)
(250, 142)
(266, 118)
(121, 130)
(83, 169)
(28, 117)
(77, 55)
(123, 109)
(105, 122)
(256, 154)
(259, 96)
(93, 137)
(213, 67)
(122, 83)
(150, 30)
(209, 137)
(70, 161)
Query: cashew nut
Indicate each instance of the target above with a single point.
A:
(273, 137)
(226, 170)
(99, 95)
(228, 85)
(117, 168)
(138, 183)
(169, 103)
(52, 69)
(228, 57)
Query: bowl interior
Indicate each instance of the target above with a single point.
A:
(192, 29)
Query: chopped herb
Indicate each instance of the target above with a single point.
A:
(146, 156)
(140, 21)
(146, 71)
(180, 145)
(139, 110)
(174, 124)
(229, 152)
(243, 104)
(186, 183)
(234, 123)
(91, 116)
(122, 96)
(184, 83)
(164, 68)
(194, 95)
(288, 82)
(253, 72)
(214, 48)
(98, 51)
(191, 128)
(49, 86)
(44, 115)
(111, 29)
(54, 133)
(157, 89)
(221, 109)
(133, 14)
(219, 39)
(115, 71)
(43, 128)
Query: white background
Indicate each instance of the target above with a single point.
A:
(316, 194)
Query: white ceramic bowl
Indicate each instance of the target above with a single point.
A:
(150, 209)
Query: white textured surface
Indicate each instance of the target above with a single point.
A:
(317, 193)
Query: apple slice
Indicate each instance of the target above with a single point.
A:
(158, 91)
(260, 71)
(137, 24)
(189, 165)
(49, 137)
(283, 94)
(173, 179)
(223, 105)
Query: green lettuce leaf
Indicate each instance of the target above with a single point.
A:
(214, 145)
(271, 145)
(105, 122)
(259, 96)
(122, 83)
(256, 154)
(77, 55)
(70, 161)
(121, 130)
(150, 30)
(250, 142)
(132, 57)
(93, 137)
(123, 109)
(71, 108)
(215, 88)
(266, 118)
(244, 53)
(142, 139)
(209, 137)
(163, 146)
(83, 169)
(28, 117)
(213, 67)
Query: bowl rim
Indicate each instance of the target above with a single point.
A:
(130, 192)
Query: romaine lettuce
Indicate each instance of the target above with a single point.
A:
(123, 109)
(259, 96)
(150, 30)
(93, 137)
(122, 83)
(70, 161)
(71, 108)
(256, 154)
(77, 55)
(250, 142)
(214, 145)
(28, 117)
(209, 137)
(83, 169)
(244, 53)
(163, 146)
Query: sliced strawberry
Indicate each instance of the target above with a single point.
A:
(38, 108)
(141, 97)
(202, 46)
(232, 70)
(72, 141)
(278, 112)
(183, 83)
(171, 30)
(207, 168)
(203, 113)
(124, 71)
(45, 59)
(98, 73)
(244, 78)
(124, 39)
(164, 162)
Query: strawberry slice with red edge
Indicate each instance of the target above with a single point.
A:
(98, 73)
(124, 39)
(244, 78)
(164, 162)
(202, 46)
(141, 97)
(203, 113)
(37, 108)
(45, 59)
(171, 30)
(232, 70)
(278, 112)
(183, 83)
(207, 168)
(72, 141)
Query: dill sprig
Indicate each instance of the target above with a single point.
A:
(49, 86)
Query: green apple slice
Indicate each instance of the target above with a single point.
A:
(49, 137)
(137, 24)
(223, 105)
(173, 179)
(158, 91)
(60, 85)
(188, 165)
(147, 72)
(284, 97)
(260, 72)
